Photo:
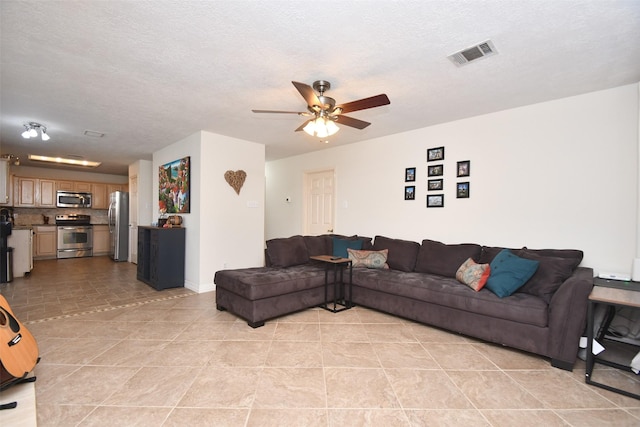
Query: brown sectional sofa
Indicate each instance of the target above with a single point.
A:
(546, 316)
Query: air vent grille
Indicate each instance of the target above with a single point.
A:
(473, 53)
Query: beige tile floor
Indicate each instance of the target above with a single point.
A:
(110, 358)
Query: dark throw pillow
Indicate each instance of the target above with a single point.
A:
(509, 272)
(551, 273)
(340, 246)
(287, 251)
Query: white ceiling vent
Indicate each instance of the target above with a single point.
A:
(473, 53)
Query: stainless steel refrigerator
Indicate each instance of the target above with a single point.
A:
(118, 216)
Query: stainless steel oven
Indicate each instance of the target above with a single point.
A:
(75, 236)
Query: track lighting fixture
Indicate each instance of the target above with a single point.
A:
(31, 131)
(14, 160)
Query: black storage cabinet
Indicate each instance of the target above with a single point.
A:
(161, 256)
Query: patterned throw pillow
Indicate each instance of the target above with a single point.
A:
(369, 259)
(473, 275)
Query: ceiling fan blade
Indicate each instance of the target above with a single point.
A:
(363, 104)
(302, 126)
(307, 93)
(350, 121)
(278, 112)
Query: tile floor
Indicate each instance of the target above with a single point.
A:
(116, 352)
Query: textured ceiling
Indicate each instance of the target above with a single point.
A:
(148, 74)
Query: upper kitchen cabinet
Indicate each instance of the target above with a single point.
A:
(5, 183)
(78, 186)
(34, 192)
(112, 188)
(47, 189)
(100, 197)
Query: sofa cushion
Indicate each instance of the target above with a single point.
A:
(402, 253)
(448, 292)
(340, 246)
(264, 282)
(509, 272)
(551, 273)
(285, 252)
(318, 245)
(473, 275)
(572, 254)
(368, 259)
(488, 253)
(444, 260)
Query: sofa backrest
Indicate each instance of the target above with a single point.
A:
(442, 259)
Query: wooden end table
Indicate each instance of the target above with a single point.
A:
(617, 354)
(339, 296)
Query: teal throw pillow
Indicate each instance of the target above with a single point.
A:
(509, 272)
(340, 246)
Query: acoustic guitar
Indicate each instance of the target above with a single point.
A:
(18, 348)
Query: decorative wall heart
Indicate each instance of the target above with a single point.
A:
(235, 179)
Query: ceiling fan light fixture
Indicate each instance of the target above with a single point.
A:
(26, 134)
(45, 137)
(321, 127)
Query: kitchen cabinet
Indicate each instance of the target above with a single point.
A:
(4, 182)
(47, 190)
(45, 242)
(24, 192)
(34, 192)
(161, 256)
(100, 197)
(101, 240)
(112, 188)
(21, 241)
(77, 186)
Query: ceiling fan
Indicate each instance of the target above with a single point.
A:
(323, 112)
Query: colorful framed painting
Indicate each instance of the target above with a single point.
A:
(174, 196)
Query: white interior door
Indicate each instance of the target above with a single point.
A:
(320, 207)
(133, 219)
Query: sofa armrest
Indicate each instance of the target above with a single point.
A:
(568, 316)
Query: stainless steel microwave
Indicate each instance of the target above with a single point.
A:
(69, 199)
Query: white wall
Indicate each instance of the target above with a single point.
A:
(560, 174)
(222, 230)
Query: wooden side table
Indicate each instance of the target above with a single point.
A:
(339, 296)
(616, 354)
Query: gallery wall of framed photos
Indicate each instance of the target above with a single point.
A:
(435, 187)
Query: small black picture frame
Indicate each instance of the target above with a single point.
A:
(435, 201)
(464, 168)
(462, 190)
(409, 174)
(435, 184)
(435, 154)
(410, 192)
(435, 170)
